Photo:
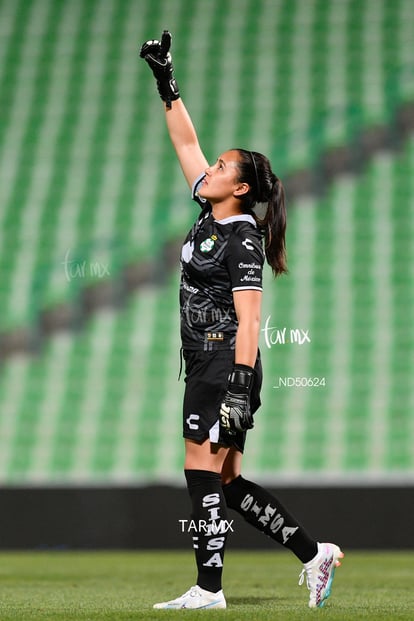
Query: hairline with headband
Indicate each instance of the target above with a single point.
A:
(256, 174)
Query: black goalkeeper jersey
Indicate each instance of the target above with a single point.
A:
(217, 258)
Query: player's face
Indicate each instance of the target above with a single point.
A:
(220, 181)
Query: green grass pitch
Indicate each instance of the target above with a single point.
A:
(258, 585)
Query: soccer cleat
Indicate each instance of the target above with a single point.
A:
(196, 597)
(320, 572)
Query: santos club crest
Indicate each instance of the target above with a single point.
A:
(208, 244)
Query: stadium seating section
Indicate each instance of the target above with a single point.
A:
(89, 184)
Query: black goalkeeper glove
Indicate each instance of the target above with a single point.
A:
(158, 56)
(235, 414)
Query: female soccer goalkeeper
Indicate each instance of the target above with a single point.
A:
(220, 298)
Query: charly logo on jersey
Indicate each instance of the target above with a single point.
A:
(248, 244)
(208, 243)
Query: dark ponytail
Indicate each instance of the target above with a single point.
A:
(266, 201)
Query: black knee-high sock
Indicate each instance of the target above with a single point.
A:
(265, 512)
(209, 526)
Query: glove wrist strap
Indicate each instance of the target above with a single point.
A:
(242, 376)
(168, 90)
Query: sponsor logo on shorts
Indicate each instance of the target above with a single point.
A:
(190, 423)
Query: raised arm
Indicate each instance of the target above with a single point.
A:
(180, 126)
(184, 139)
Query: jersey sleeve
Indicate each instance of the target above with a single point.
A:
(202, 202)
(245, 260)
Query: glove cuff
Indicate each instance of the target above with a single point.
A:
(241, 377)
(168, 90)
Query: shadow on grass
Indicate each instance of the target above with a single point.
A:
(249, 601)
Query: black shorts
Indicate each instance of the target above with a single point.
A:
(206, 380)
